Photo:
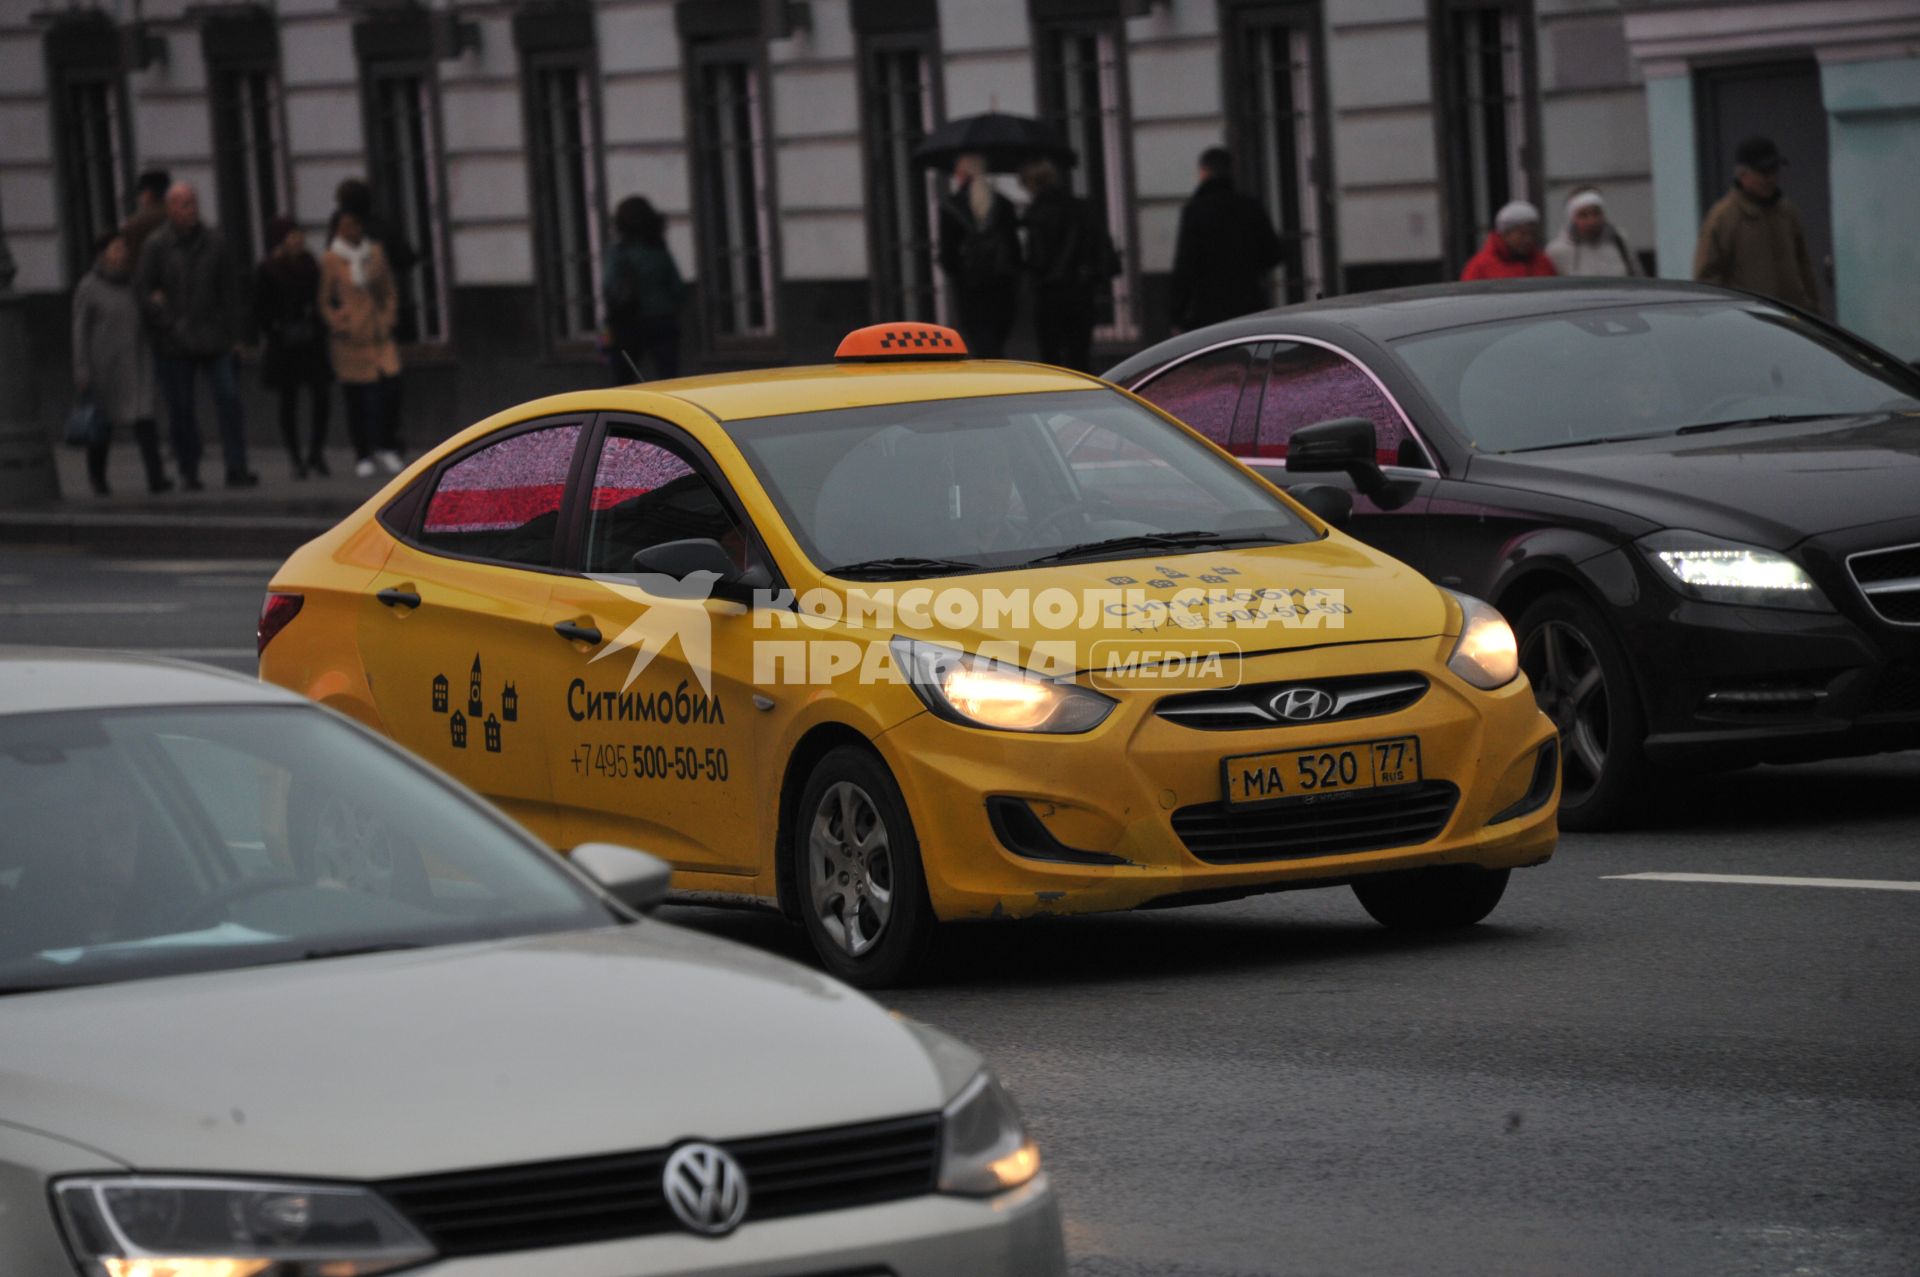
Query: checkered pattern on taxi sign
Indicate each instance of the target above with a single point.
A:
(902, 341)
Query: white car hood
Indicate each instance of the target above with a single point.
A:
(449, 1058)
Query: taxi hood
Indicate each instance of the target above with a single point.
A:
(1243, 599)
(456, 1057)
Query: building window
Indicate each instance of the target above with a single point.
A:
(250, 153)
(88, 87)
(1485, 86)
(732, 194)
(1278, 130)
(901, 101)
(404, 168)
(1083, 94)
(568, 206)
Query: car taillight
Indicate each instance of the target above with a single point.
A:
(274, 615)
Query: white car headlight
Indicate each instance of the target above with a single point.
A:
(1729, 572)
(984, 1147)
(964, 688)
(185, 1226)
(1485, 654)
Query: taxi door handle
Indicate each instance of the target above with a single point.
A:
(579, 633)
(398, 598)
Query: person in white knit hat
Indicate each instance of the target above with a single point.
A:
(1512, 250)
(1589, 243)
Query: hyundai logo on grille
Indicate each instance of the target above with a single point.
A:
(1302, 704)
(706, 1189)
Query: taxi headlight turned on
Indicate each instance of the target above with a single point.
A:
(1718, 571)
(1486, 653)
(984, 1147)
(181, 1226)
(963, 688)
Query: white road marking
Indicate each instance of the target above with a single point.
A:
(86, 608)
(1763, 880)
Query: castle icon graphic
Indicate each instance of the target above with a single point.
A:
(439, 693)
(473, 690)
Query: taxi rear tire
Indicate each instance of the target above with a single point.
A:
(856, 868)
(1432, 899)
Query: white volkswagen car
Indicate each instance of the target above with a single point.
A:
(280, 1001)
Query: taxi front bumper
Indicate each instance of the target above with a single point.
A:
(1132, 813)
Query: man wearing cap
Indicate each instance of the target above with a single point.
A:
(1512, 251)
(1753, 238)
(1590, 244)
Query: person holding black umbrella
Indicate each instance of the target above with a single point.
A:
(980, 252)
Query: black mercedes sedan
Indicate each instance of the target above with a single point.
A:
(1701, 509)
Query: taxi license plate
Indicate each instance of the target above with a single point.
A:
(1328, 769)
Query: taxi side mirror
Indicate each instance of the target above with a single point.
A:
(634, 878)
(681, 559)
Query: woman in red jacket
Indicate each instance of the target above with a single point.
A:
(1512, 251)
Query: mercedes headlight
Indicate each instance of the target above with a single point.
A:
(984, 1147)
(1485, 654)
(1729, 572)
(182, 1226)
(963, 688)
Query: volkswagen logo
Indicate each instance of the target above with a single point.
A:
(705, 1188)
(1302, 704)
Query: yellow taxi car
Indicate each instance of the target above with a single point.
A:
(913, 637)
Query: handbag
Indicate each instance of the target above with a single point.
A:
(86, 425)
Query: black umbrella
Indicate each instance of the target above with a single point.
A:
(1008, 142)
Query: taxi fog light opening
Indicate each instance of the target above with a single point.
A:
(984, 1147)
(180, 1226)
(964, 688)
(1729, 572)
(1486, 653)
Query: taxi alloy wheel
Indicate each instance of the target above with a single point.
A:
(856, 863)
(850, 868)
(1581, 680)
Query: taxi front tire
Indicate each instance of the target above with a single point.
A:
(1431, 899)
(856, 865)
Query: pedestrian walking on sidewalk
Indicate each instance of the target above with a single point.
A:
(1512, 250)
(353, 195)
(980, 252)
(643, 292)
(195, 300)
(1590, 244)
(113, 363)
(1753, 237)
(1070, 258)
(293, 339)
(1225, 250)
(360, 303)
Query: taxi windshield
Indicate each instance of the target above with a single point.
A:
(1001, 481)
(149, 842)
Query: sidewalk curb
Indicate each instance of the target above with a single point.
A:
(240, 536)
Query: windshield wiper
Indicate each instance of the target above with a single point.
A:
(355, 950)
(1588, 443)
(904, 565)
(1151, 541)
(1776, 419)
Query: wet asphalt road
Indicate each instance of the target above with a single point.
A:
(1611, 1077)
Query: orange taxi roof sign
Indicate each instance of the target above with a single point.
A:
(883, 343)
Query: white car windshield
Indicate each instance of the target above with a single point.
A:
(1002, 481)
(151, 841)
(1644, 371)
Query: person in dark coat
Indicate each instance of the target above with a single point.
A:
(113, 363)
(149, 210)
(980, 253)
(1225, 250)
(195, 299)
(1067, 255)
(293, 339)
(643, 293)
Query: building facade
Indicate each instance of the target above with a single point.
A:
(777, 136)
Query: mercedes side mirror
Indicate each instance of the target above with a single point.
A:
(1332, 505)
(1350, 446)
(681, 559)
(634, 878)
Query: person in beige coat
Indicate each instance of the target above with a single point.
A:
(1753, 237)
(360, 302)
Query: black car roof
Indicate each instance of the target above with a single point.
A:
(1400, 312)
